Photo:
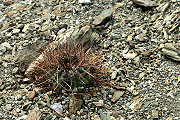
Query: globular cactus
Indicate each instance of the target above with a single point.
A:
(67, 66)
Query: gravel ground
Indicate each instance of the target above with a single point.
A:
(140, 42)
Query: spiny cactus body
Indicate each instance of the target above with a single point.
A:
(66, 66)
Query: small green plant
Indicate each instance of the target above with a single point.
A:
(67, 66)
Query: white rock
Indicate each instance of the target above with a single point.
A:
(129, 55)
(84, 1)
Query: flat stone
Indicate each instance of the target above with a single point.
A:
(106, 14)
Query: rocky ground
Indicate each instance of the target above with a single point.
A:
(140, 41)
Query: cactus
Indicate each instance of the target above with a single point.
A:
(67, 66)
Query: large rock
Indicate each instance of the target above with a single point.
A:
(103, 17)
